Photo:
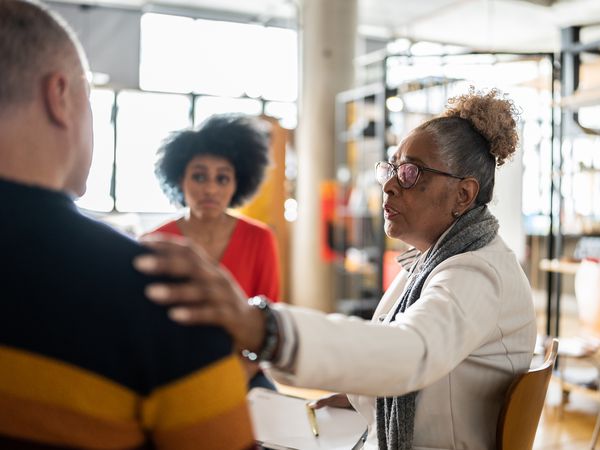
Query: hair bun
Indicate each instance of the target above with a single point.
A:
(493, 115)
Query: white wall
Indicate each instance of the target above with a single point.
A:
(507, 204)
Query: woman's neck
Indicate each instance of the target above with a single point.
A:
(425, 245)
(205, 229)
(212, 234)
(206, 224)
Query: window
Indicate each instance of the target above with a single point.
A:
(279, 72)
(218, 58)
(167, 57)
(97, 196)
(207, 106)
(144, 120)
(189, 69)
(285, 112)
(227, 57)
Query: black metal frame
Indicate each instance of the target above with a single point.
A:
(568, 68)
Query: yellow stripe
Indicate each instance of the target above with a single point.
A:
(47, 380)
(229, 431)
(216, 389)
(36, 421)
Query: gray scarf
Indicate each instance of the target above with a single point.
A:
(472, 231)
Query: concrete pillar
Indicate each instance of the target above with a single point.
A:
(327, 48)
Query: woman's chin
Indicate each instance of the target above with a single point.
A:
(391, 230)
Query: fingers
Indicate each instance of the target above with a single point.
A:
(170, 265)
(333, 401)
(173, 259)
(322, 402)
(169, 293)
(316, 404)
(164, 243)
(176, 258)
(196, 315)
(203, 294)
(193, 303)
(223, 292)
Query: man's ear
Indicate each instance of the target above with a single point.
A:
(467, 193)
(54, 91)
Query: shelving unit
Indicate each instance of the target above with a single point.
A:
(360, 126)
(567, 170)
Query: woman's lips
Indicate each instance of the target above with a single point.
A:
(389, 212)
(209, 204)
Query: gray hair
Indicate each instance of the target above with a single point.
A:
(33, 42)
(465, 151)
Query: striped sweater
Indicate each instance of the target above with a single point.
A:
(86, 361)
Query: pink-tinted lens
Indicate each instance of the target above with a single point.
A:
(407, 175)
(383, 172)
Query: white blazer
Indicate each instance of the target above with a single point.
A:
(460, 345)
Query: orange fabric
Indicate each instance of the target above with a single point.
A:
(47, 380)
(228, 431)
(48, 401)
(198, 397)
(250, 256)
(42, 422)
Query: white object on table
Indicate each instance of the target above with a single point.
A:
(280, 422)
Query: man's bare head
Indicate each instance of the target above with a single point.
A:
(45, 117)
(33, 42)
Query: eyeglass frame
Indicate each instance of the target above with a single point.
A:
(420, 168)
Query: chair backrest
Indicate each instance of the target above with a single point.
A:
(523, 404)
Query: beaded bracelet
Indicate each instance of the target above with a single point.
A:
(271, 340)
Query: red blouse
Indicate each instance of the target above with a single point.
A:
(250, 256)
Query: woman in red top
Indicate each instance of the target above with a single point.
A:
(210, 169)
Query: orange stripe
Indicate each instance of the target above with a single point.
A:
(230, 430)
(41, 422)
(209, 392)
(40, 378)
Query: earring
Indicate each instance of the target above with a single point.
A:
(455, 214)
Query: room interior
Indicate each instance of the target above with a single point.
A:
(341, 83)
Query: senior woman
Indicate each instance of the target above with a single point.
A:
(452, 331)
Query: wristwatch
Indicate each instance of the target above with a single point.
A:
(268, 349)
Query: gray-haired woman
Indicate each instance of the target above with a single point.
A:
(452, 331)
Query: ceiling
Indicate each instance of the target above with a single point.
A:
(512, 25)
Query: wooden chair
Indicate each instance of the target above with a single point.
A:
(523, 404)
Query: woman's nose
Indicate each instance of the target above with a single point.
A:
(211, 186)
(391, 186)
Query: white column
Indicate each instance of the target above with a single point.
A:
(327, 48)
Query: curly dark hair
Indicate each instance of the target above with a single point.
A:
(240, 139)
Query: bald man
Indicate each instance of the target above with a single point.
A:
(85, 360)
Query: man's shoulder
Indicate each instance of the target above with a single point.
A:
(105, 234)
(83, 270)
(172, 350)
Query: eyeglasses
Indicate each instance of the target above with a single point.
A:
(407, 173)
